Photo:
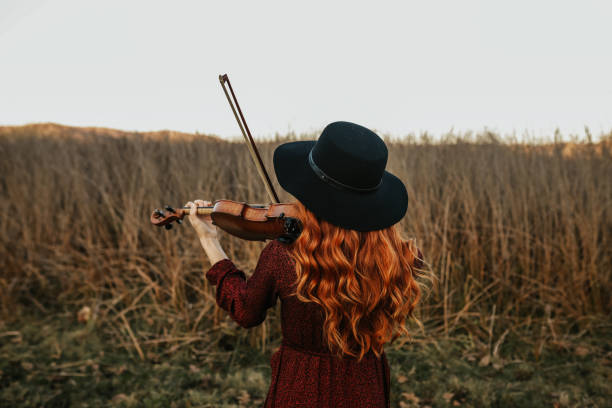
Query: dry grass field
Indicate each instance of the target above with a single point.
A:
(517, 236)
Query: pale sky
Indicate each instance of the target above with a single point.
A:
(395, 67)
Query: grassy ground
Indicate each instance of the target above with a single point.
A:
(57, 362)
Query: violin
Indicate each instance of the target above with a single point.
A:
(253, 222)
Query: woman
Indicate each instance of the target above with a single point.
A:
(345, 284)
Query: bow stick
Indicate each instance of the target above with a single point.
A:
(249, 139)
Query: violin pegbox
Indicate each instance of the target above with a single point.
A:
(167, 217)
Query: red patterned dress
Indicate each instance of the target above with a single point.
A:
(304, 373)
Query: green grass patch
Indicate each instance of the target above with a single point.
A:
(55, 362)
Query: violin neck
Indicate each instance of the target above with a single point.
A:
(199, 210)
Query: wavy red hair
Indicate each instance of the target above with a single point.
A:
(365, 282)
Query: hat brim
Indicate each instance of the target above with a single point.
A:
(359, 211)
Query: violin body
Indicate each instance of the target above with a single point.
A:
(256, 222)
(252, 222)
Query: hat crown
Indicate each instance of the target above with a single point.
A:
(351, 154)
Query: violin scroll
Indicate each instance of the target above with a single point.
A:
(166, 218)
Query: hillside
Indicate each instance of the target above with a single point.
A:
(52, 130)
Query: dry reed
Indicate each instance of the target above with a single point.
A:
(518, 235)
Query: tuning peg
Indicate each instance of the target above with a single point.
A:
(159, 213)
(168, 226)
(179, 221)
(168, 208)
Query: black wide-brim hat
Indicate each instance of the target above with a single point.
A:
(341, 178)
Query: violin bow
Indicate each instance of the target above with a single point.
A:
(248, 138)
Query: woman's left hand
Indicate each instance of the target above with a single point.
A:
(201, 223)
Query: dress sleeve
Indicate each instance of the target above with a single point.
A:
(247, 300)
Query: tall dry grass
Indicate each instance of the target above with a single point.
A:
(519, 236)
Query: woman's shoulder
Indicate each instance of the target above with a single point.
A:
(277, 255)
(275, 248)
(276, 259)
(274, 245)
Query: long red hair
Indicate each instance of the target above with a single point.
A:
(365, 282)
